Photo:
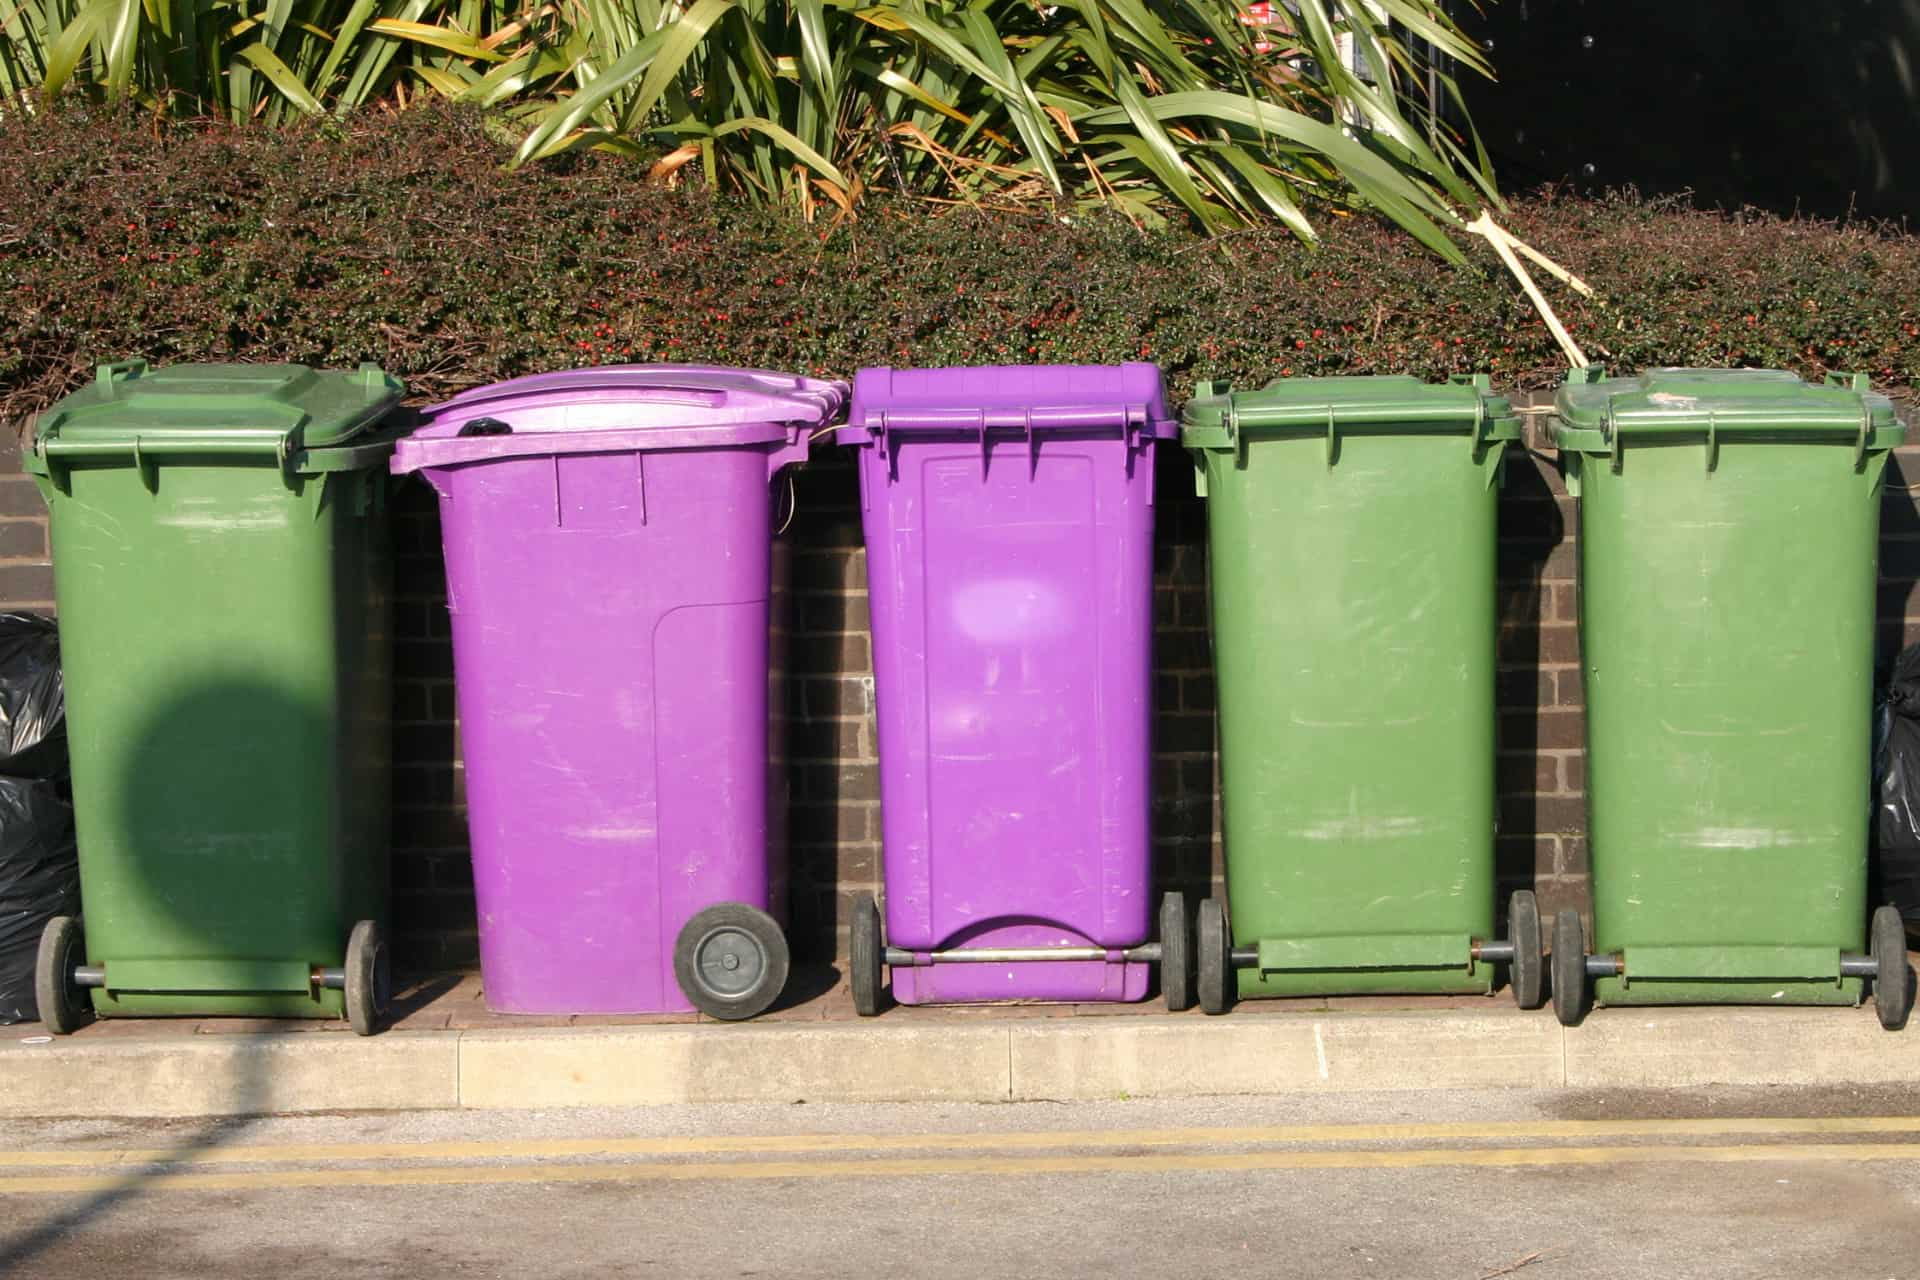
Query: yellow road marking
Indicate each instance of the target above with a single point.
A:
(976, 1166)
(834, 1143)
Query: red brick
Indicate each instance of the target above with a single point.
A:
(422, 743)
(1184, 732)
(1198, 693)
(1166, 693)
(1521, 858)
(1550, 729)
(429, 827)
(1523, 688)
(1562, 893)
(1520, 604)
(835, 697)
(829, 570)
(830, 654)
(1182, 651)
(23, 539)
(20, 496)
(422, 659)
(1539, 562)
(1541, 815)
(1548, 645)
(26, 585)
(828, 612)
(824, 739)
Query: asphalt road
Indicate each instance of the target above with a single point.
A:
(1543, 1186)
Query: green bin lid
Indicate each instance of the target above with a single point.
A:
(1593, 411)
(1372, 405)
(273, 409)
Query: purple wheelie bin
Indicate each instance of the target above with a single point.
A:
(609, 562)
(1008, 515)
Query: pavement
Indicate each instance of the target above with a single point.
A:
(445, 1051)
(1552, 1184)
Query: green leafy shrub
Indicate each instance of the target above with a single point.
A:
(1172, 107)
(398, 240)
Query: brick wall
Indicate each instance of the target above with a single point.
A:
(834, 818)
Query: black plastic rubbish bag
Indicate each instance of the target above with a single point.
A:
(1897, 770)
(39, 868)
(39, 879)
(33, 705)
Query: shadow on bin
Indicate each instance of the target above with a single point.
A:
(245, 835)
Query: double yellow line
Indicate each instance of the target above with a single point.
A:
(849, 1155)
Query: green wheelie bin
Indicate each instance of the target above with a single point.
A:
(1729, 528)
(1351, 563)
(222, 571)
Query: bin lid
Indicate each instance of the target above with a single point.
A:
(625, 406)
(1374, 404)
(1024, 399)
(225, 408)
(1593, 410)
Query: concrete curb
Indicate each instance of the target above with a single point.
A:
(963, 1060)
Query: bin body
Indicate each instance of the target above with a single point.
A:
(1729, 526)
(609, 558)
(1351, 569)
(222, 571)
(1008, 514)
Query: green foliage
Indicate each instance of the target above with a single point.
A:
(1150, 106)
(400, 241)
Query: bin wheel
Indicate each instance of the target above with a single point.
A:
(731, 961)
(865, 951)
(1569, 969)
(64, 1006)
(1893, 978)
(369, 987)
(1214, 973)
(1523, 926)
(1176, 953)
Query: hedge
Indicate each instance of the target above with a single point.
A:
(400, 239)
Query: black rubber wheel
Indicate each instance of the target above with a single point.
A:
(1569, 969)
(1176, 953)
(1524, 973)
(64, 1005)
(731, 961)
(369, 987)
(1214, 945)
(1893, 977)
(865, 951)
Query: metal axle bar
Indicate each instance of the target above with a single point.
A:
(90, 975)
(900, 958)
(333, 978)
(1493, 952)
(1604, 966)
(1858, 966)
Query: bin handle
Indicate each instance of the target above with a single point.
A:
(1713, 426)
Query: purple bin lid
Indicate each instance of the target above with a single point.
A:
(619, 407)
(1021, 399)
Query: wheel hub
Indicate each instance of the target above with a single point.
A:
(730, 961)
